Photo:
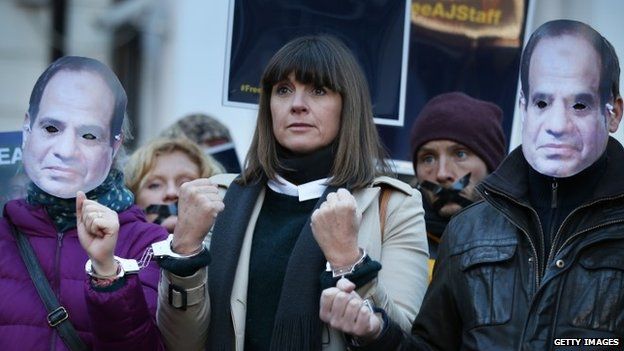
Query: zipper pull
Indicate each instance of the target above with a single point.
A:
(59, 237)
(553, 201)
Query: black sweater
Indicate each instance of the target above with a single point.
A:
(279, 223)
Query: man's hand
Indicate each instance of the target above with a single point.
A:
(335, 225)
(98, 228)
(199, 203)
(343, 309)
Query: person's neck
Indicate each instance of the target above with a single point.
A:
(555, 198)
(573, 190)
(303, 168)
(111, 193)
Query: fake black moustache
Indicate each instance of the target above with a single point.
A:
(447, 195)
(163, 211)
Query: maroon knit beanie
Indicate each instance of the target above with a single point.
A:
(458, 117)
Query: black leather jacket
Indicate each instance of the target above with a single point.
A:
(496, 288)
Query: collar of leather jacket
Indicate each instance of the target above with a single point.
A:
(511, 177)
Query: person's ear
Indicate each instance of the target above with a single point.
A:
(614, 114)
(25, 129)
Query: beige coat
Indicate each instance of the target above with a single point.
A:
(399, 287)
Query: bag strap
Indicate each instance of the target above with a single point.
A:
(384, 197)
(58, 317)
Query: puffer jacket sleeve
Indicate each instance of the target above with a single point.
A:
(124, 318)
(121, 320)
(402, 281)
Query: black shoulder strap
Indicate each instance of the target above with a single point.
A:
(57, 314)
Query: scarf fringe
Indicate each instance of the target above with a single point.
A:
(301, 333)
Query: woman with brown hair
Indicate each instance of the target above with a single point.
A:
(308, 204)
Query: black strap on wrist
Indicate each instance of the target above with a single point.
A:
(363, 274)
(185, 267)
(58, 318)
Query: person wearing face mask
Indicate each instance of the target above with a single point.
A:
(307, 209)
(456, 141)
(537, 265)
(156, 171)
(79, 221)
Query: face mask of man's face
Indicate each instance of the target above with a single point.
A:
(68, 147)
(565, 127)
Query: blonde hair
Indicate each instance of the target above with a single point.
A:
(143, 160)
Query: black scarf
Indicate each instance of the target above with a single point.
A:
(297, 323)
(304, 168)
(111, 193)
(433, 221)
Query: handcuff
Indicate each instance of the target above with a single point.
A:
(159, 249)
(124, 266)
(163, 249)
(345, 270)
(127, 266)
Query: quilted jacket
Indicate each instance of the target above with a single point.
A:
(122, 319)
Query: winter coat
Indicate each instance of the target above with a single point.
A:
(495, 286)
(401, 249)
(123, 319)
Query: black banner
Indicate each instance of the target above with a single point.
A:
(373, 30)
(472, 46)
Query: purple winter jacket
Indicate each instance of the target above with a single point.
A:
(123, 319)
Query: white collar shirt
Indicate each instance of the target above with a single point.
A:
(307, 191)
